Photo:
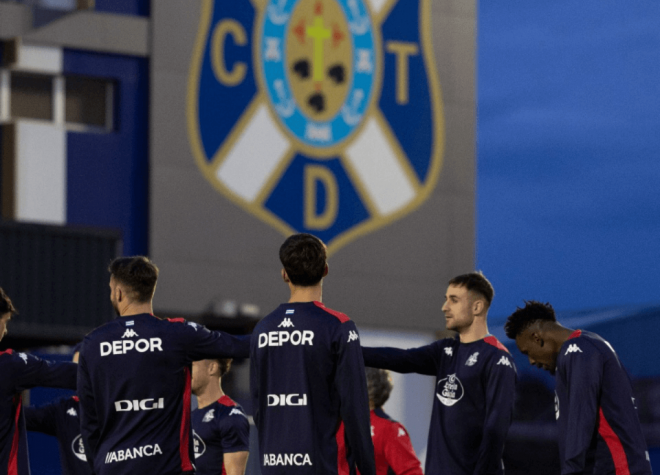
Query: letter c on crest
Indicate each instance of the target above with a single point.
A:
(236, 75)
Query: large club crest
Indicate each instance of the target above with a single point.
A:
(320, 116)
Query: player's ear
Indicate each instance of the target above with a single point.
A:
(212, 367)
(325, 270)
(477, 306)
(536, 338)
(285, 277)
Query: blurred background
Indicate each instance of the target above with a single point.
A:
(518, 138)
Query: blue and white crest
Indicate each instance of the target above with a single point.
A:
(320, 116)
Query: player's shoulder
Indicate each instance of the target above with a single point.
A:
(585, 343)
(16, 357)
(492, 342)
(341, 317)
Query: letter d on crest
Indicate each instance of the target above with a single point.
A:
(316, 176)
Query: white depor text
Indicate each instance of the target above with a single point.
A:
(136, 405)
(133, 453)
(287, 400)
(120, 347)
(296, 337)
(273, 460)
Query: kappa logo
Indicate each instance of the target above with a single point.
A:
(129, 333)
(372, 431)
(352, 336)
(236, 411)
(72, 412)
(450, 390)
(317, 116)
(208, 417)
(472, 360)
(449, 351)
(286, 323)
(198, 445)
(78, 448)
(504, 361)
(573, 348)
(24, 357)
(401, 432)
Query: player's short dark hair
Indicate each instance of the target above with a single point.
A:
(223, 366)
(476, 282)
(379, 386)
(304, 258)
(137, 273)
(5, 304)
(523, 317)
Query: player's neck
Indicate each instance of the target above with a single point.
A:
(136, 308)
(477, 331)
(211, 393)
(306, 294)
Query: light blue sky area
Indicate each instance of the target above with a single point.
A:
(568, 186)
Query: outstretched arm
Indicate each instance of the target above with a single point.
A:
(32, 371)
(204, 343)
(420, 360)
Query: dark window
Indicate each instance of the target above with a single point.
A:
(31, 96)
(88, 101)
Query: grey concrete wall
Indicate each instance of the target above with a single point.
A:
(209, 248)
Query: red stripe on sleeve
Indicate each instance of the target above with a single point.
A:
(9, 352)
(340, 316)
(614, 444)
(184, 437)
(226, 401)
(12, 469)
(176, 320)
(575, 334)
(491, 340)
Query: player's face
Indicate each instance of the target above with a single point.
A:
(537, 351)
(458, 308)
(4, 319)
(199, 376)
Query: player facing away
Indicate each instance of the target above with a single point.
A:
(598, 426)
(475, 383)
(393, 450)
(307, 375)
(20, 371)
(134, 379)
(61, 419)
(221, 431)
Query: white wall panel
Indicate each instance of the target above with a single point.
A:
(40, 167)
